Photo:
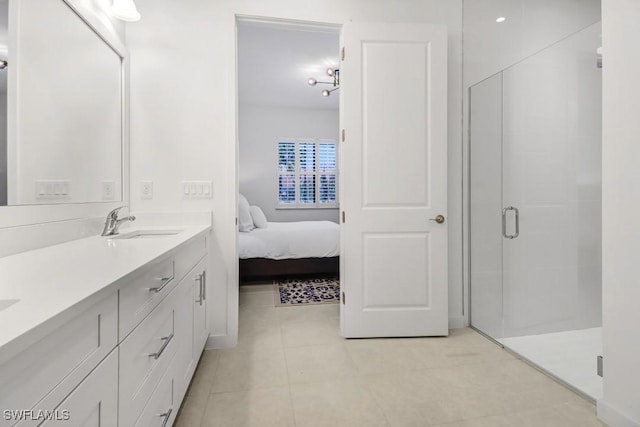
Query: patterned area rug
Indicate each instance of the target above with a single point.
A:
(311, 291)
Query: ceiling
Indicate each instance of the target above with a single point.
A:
(275, 62)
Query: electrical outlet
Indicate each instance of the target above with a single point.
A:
(108, 190)
(146, 190)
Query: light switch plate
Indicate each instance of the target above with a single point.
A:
(197, 189)
(54, 189)
(146, 190)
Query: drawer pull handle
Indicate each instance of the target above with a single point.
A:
(165, 282)
(166, 342)
(166, 417)
(204, 285)
(202, 288)
(199, 278)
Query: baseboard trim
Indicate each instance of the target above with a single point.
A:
(613, 417)
(220, 341)
(457, 322)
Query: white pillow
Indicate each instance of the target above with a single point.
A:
(259, 220)
(245, 222)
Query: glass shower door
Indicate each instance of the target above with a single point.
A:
(552, 175)
(535, 209)
(486, 205)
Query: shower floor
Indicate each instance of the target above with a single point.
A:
(570, 356)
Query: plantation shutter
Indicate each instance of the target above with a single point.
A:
(307, 173)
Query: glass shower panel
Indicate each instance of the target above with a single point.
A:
(552, 176)
(486, 204)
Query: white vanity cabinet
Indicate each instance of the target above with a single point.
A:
(153, 360)
(127, 359)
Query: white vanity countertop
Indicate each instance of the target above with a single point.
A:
(57, 283)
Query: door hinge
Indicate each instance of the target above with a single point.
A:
(343, 217)
(343, 298)
(343, 135)
(600, 368)
(342, 54)
(236, 220)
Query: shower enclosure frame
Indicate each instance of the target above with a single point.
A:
(571, 205)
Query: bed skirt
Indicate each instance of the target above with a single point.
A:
(264, 269)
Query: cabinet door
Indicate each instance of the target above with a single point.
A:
(94, 402)
(191, 321)
(200, 326)
(185, 361)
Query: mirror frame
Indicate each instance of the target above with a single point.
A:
(23, 215)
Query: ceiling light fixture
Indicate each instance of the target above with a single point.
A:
(125, 10)
(333, 72)
(500, 19)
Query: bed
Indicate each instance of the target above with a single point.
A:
(285, 249)
(276, 250)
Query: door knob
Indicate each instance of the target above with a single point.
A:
(439, 219)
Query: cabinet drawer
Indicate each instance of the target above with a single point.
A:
(54, 366)
(93, 403)
(144, 358)
(144, 292)
(160, 410)
(189, 255)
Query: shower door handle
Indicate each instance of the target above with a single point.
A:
(504, 222)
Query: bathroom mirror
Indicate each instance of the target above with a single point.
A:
(62, 108)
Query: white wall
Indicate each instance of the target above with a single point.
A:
(184, 108)
(260, 129)
(620, 405)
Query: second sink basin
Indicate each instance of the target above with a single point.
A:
(6, 303)
(147, 234)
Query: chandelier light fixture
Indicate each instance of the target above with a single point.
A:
(332, 72)
(125, 10)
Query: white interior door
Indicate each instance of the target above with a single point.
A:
(394, 180)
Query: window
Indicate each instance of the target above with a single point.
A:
(307, 174)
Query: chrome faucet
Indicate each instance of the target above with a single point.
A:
(112, 223)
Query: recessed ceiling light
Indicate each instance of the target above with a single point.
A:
(501, 19)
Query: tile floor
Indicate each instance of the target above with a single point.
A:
(291, 368)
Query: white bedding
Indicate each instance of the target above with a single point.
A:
(286, 240)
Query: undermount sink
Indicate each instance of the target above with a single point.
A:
(147, 234)
(6, 303)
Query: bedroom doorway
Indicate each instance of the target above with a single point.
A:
(395, 192)
(288, 177)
